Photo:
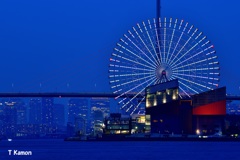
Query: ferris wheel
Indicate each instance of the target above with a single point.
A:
(161, 50)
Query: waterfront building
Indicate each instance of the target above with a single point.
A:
(166, 113)
(116, 124)
(101, 103)
(97, 121)
(209, 111)
(80, 125)
(138, 123)
(77, 107)
(100, 109)
(78, 115)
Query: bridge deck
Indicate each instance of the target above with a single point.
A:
(67, 95)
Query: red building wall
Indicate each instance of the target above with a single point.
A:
(215, 108)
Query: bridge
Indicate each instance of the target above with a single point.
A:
(87, 95)
(65, 95)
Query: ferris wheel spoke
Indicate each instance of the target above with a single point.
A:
(137, 46)
(128, 108)
(215, 79)
(137, 106)
(156, 81)
(173, 62)
(189, 75)
(197, 62)
(183, 92)
(214, 84)
(171, 78)
(120, 90)
(157, 62)
(135, 96)
(173, 33)
(157, 36)
(196, 69)
(126, 75)
(132, 53)
(194, 63)
(212, 52)
(127, 59)
(195, 83)
(160, 38)
(132, 81)
(140, 102)
(144, 42)
(198, 35)
(188, 51)
(129, 101)
(132, 68)
(164, 41)
(179, 39)
(188, 87)
(134, 88)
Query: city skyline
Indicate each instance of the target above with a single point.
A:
(56, 46)
(41, 117)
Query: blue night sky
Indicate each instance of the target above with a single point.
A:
(66, 45)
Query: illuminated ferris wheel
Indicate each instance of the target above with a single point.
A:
(161, 50)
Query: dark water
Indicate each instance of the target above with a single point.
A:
(58, 149)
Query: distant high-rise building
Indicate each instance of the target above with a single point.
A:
(10, 113)
(97, 121)
(1, 118)
(103, 104)
(100, 109)
(21, 112)
(233, 108)
(14, 117)
(77, 107)
(80, 125)
(78, 114)
(15, 111)
(35, 111)
(59, 114)
(47, 111)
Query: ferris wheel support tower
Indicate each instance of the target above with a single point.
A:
(158, 9)
(158, 16)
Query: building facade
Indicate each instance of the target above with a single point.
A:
(209, 111)
(116, 124)
(35, 111)
(166, 113)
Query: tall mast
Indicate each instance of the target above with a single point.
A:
(158, 9)
(158, 16)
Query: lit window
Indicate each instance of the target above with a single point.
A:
(164, 100)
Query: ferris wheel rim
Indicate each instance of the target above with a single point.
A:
(142, 51)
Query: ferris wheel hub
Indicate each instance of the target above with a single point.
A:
(164, 71)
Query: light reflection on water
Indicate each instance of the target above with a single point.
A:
(59, 149)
